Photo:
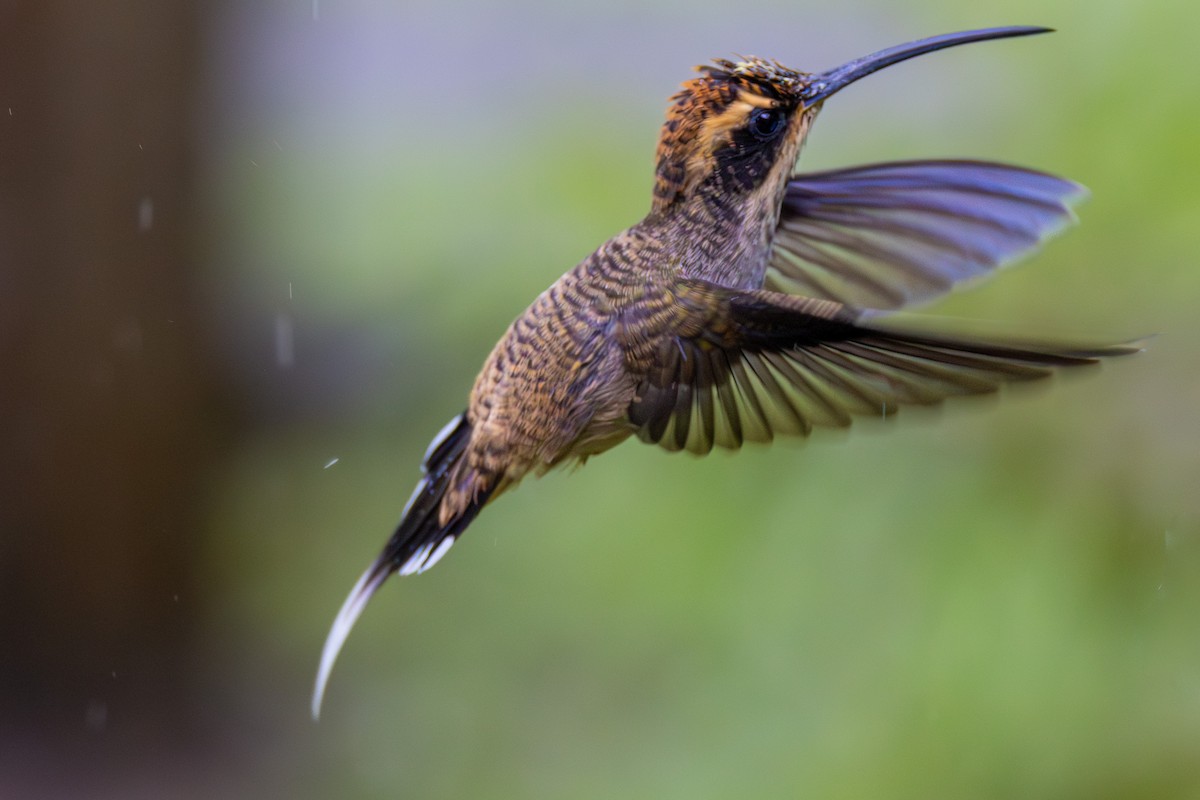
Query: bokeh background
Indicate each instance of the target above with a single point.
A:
(251, 255)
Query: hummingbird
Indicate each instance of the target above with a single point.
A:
(751, 302)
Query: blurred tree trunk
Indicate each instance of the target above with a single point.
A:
(107, 405)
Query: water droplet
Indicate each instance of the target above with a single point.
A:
(145, 214)
(285, 341)
(96, 716)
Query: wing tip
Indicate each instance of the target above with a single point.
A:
(1127, 348)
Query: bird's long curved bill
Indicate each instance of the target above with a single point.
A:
(826, 83)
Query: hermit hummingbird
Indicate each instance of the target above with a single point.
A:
(750, 302)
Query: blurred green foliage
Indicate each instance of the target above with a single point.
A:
(997, 600)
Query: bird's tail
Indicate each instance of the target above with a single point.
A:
(419, 542)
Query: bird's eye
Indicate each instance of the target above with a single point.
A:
(766, 123)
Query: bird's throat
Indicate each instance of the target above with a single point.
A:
(726, 236)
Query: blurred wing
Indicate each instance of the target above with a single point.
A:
(760, 364)
(886, 236)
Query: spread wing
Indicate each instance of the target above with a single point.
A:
(886, 236)
(748, 366)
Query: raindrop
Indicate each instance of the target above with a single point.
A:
(145, 214)
(285, 342)
(96, 716)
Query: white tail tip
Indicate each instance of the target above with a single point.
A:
(357, 600)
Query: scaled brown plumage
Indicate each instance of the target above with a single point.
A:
(667, 331)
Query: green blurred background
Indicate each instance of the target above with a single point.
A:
(254, 256)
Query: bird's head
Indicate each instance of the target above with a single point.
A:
(729, 128)
(736, 129)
